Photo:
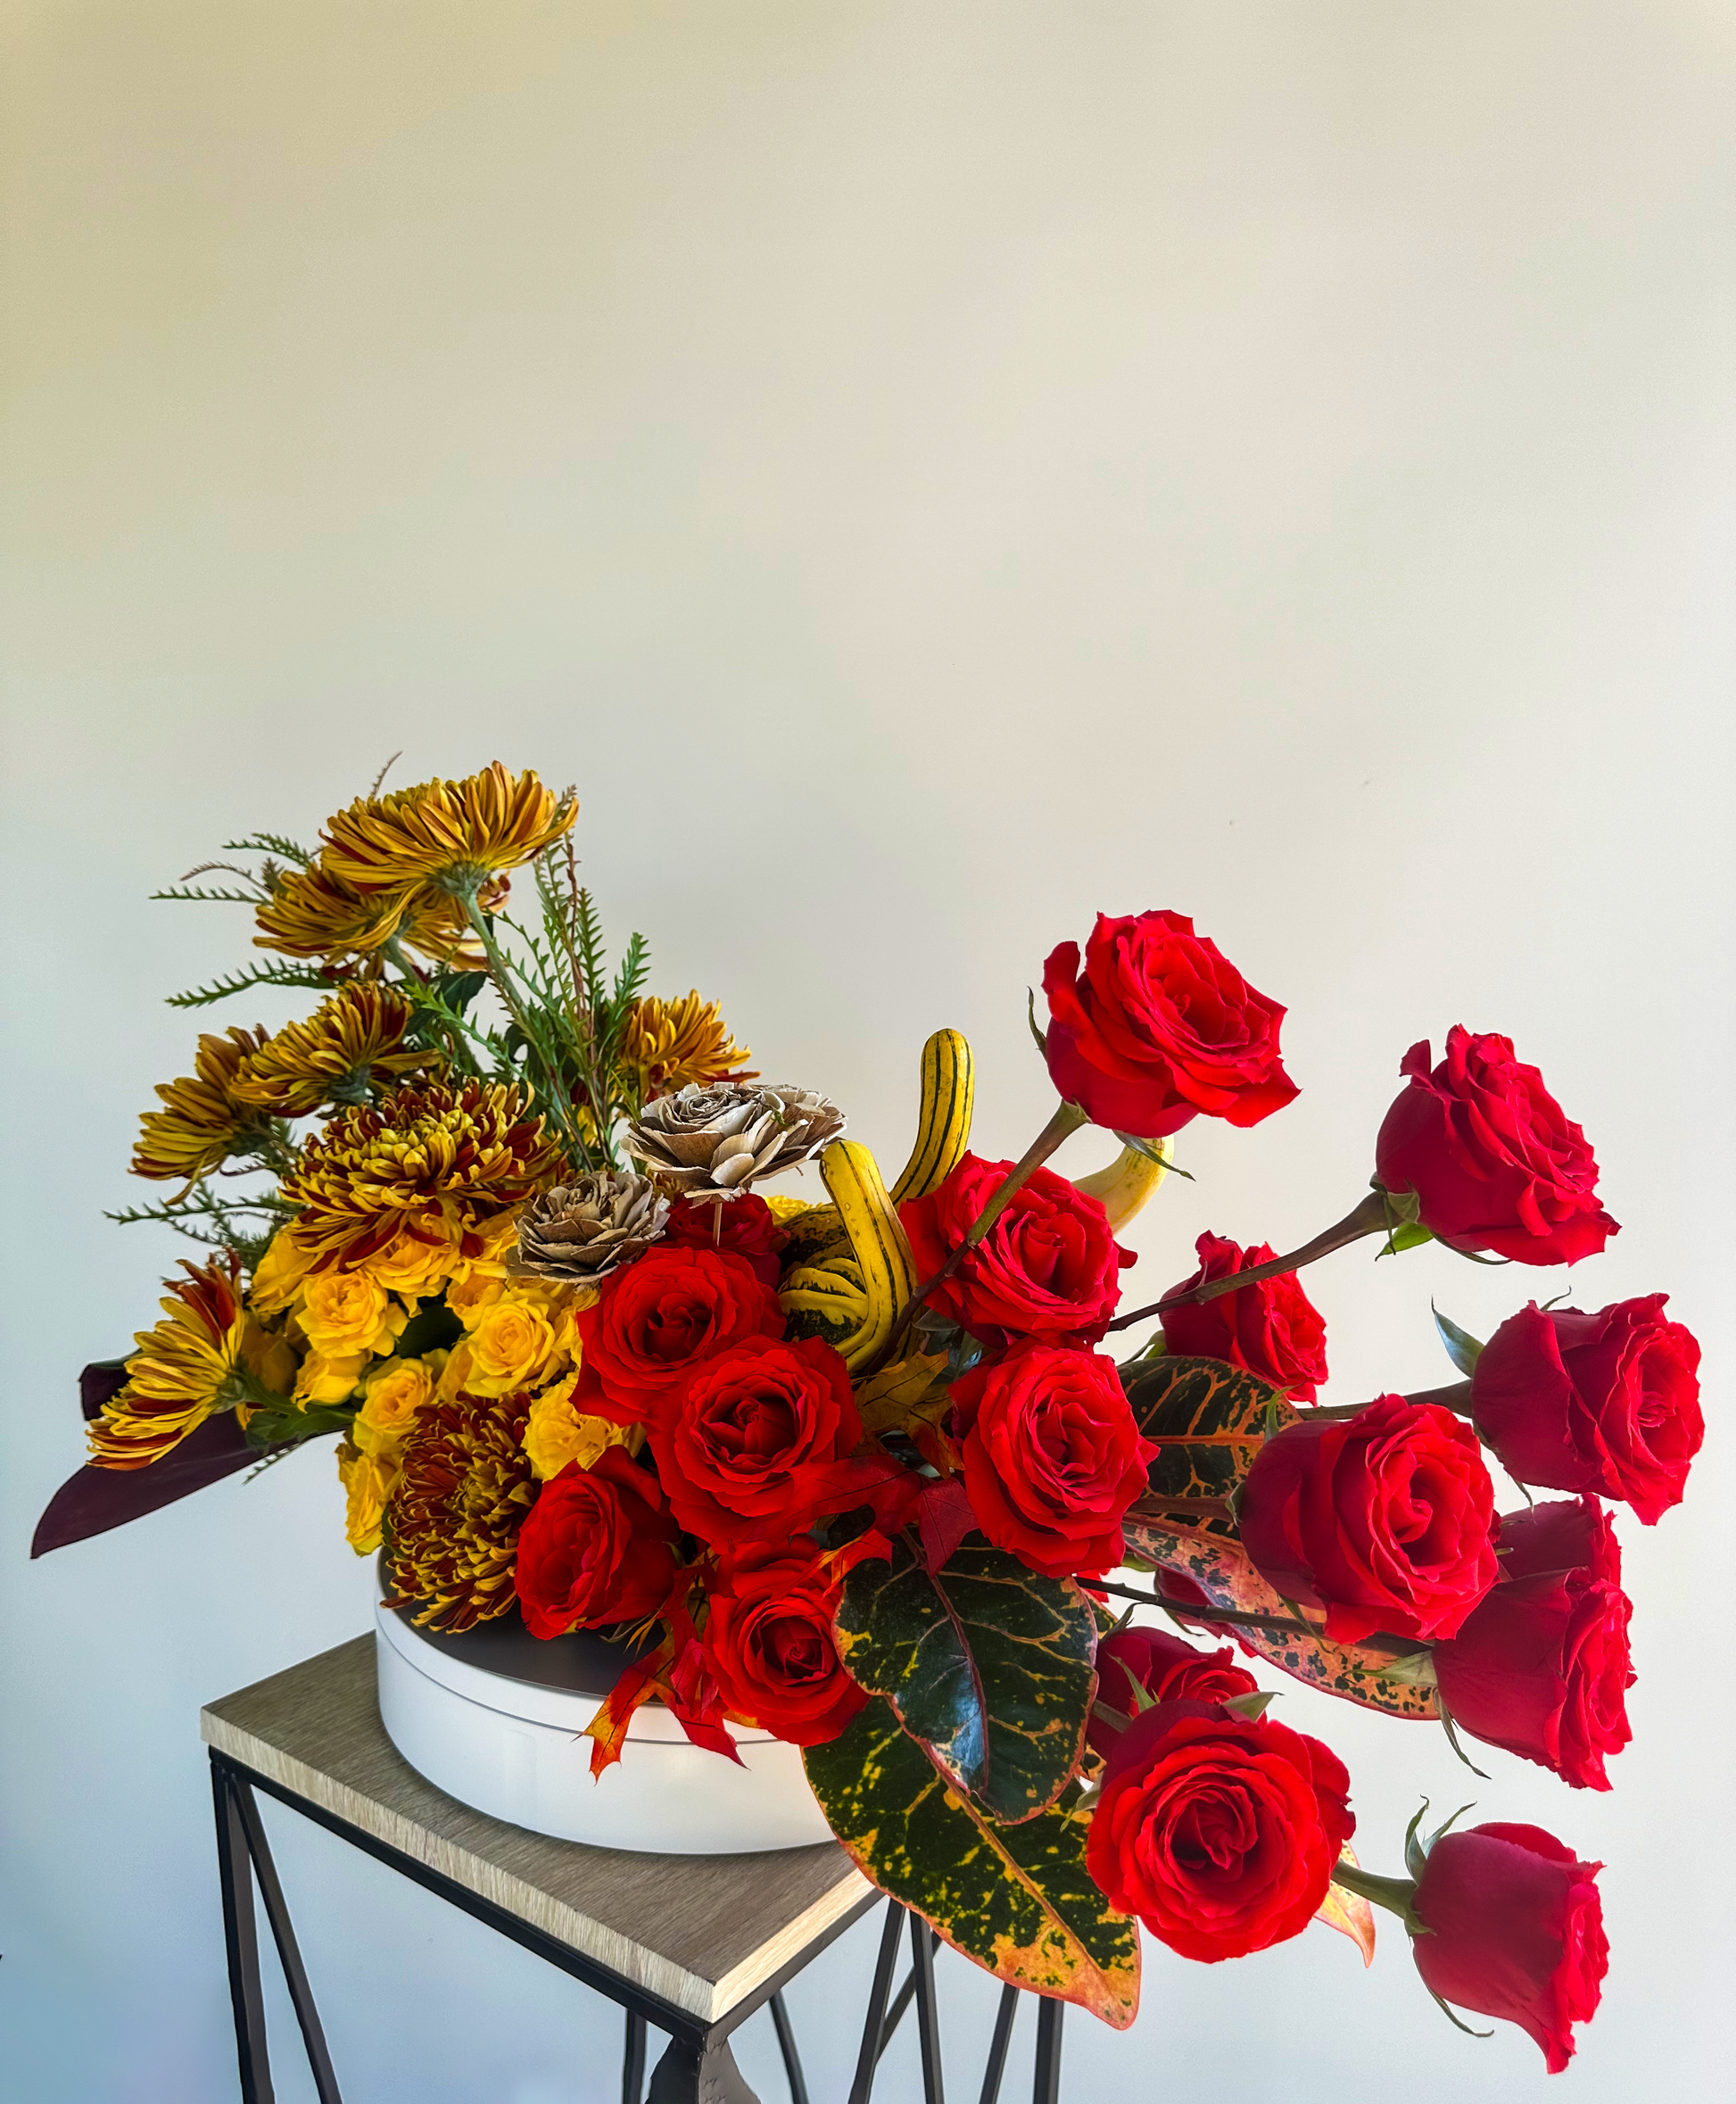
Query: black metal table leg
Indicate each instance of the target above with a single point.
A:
(1046, 2088)
(700, 2075)
(923, 1941)
(792, 2059)
(241, 1939)
(633, 2060)
(874, 2025)
(289, 1956)
(1005, 2017)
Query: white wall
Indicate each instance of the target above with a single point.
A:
(927, 471)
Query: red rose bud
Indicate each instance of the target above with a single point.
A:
(1515, 1929)
(1161, 1027)
(1053, 1458)
(1219, 1832)
(1383, 1519)
(1574, 1534)
(754, 1449)
(1493, 1161)
(769, 1638)
(1270, 1328)
(657, 1320)
(1606, 1402)
(595, 1548)
(1047, 1268)
(1542, 1668)
(1166, 1669)
(747, 1227)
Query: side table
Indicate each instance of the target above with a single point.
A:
(691, 1946)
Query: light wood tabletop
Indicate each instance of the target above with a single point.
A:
(703, 1932)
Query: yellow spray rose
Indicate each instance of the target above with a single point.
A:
(393, 1393)
(279, 1275)
(471, 1296)
(556, 1434)
(323, 1381)
(511, 1348)
(414, 1269)
(368, 1483)
(348, 1313)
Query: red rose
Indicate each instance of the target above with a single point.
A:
(595, 1548)
(1493, 1161)
(746, 1227)
(770, 1640)
(1053, 1458)
(1383, 1519)
(1607, 1403)
(1161, 1027)
(754, 1448)
(1219, 1832)
(1573, 1534)
(1542, 1668)
(1046, 1268)
(1167, 1669)
(1270, 1328)
(657, 1320)
(1515, 1931)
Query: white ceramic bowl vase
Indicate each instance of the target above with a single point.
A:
(494, 1718)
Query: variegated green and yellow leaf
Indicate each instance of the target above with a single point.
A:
(1207, 1420)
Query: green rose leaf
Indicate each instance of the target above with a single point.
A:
(1017, 1899)
(1462, 1348)
(987, 1663)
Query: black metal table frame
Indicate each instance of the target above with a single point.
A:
(698, 2067)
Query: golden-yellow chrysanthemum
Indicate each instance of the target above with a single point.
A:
(447, 836)
(355, 1039)
(456, 1512)
(313, 913)
(203, 1119)
(429, 1161)
(670, 1043)
(193, 1363)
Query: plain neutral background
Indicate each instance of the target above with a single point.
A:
(927, 472)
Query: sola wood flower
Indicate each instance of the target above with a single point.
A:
(348, 1042)
(714, 1142)
(583, 1231)
(203, 1118)
(432, 1159)
(670, 1044)
(453, 835)
(458, 1508)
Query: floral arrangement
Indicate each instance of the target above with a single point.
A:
(866, 1468)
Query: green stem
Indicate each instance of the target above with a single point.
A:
(1455, 1397)
(557, 1101)
(1397, 1894)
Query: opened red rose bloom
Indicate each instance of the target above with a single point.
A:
(1494, 1161)
(657, 1320)
(1383, 1519)
(1219, 1832)
(769, 1638)
(596, 1548)
(1270, 1328)
(756, 1446)
(1516, 1932)
(1167, 1669)
(747, 1227)
(1159, 1027)
(1053, 1458)
(1542, 1668)
(1607, 1402)
(1049, 1267)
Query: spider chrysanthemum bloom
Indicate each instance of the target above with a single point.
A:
(452, 1526)
(313, 913)
(354, 1041)
(448, 836)
(432, 1162)
(203, 1119)
(668, 1043)
(188, 1366)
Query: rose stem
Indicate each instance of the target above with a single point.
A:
(1456, 1396)
(1068, 1118)
(1370, 1218)
(1280, 1625)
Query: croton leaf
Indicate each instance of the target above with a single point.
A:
(1017, 1899)
(1221, 1575)
(987, 1663)
(1207, 1420)
(1349, 1912)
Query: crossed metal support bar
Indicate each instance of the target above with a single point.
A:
(697, 2067)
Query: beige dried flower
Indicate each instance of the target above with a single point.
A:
(583, 1230)
(714, 1142)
